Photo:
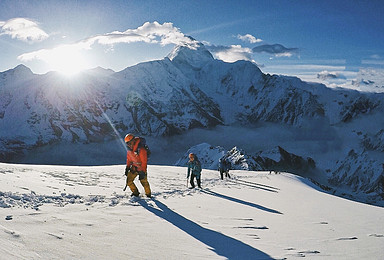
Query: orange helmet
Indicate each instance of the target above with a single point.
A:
(128, 137)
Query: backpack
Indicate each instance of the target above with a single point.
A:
(143, 145)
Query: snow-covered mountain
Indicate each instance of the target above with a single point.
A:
(187, 90)
(276, 159)
(370, 80)
(362, 172)
(207, 155)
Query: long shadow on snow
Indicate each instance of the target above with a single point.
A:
(241, 201)
(221, 244)
(254, 185)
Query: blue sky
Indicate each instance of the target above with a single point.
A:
(302, 38)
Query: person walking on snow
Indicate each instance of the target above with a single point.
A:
(224, 167)
(136, 165)
(194, 169)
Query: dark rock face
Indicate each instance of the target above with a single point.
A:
(360, 172)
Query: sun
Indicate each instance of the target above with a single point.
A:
(67, 60)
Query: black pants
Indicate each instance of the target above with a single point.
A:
(221, 173)
(226, 174)
(192, 182)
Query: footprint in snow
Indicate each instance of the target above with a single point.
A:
(251, 227)
(376, 235)
(309, 252)
(13, 233)
(55, 236)
(253, 236)
(347, 238)
(246, 219)
(304, 253)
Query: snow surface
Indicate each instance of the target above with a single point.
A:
(73, 212)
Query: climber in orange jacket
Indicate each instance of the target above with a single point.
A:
(136, 164)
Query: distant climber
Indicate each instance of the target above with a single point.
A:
(137, 158)
(224, 167)
(194, 170)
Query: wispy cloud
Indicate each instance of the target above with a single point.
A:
(162, 34)
(332, 75)
(218, 26)
(23, 29)
(312, 67)
(234, 53)
(249, 38)
(49, 55)
(375, 56)
(375, 61)
(230, 53)
(155, 32)
(276, 49)
(237, 52)
(329, 75)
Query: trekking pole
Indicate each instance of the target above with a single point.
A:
(126, 182)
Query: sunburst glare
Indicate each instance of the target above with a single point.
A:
(67, 60)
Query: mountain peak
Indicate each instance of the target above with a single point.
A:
(100, 71)
(194, 56)
(21, 71)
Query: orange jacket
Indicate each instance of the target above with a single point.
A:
(137, 158)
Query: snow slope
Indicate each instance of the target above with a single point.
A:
(68, 212)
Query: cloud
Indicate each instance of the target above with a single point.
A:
(155, 33)
(230, 53)
(276, 49)
(248, 37)
(373, 62)
(23, 29)
(163, 34)
(49, 54)
(375, 56)
(327, 75)
(322, 73)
